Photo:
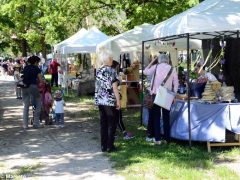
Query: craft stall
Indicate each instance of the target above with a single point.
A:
(208, 108)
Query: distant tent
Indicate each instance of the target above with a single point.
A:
(86, 43)
(73, 38)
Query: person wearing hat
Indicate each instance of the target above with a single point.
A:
(59, 108)
(17, 77)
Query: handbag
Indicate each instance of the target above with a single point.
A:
(164, 96)
(22, 85)
(148, 101)
(148, 98)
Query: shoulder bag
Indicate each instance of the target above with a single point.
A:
(164, 96)
(148, 98)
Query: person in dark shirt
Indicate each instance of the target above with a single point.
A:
(31, 76)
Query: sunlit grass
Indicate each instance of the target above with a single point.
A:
(21, 173)
(29, 169)
(141, 160)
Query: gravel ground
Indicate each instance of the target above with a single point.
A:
(69, 153)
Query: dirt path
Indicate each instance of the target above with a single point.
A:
(49, 153)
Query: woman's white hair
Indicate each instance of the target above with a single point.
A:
(104, 56)
(163, 58)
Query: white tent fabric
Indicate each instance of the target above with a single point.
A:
(86, 43)
(128, 41)
(81, 33)
(206, 20)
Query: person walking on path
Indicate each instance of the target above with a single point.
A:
(54, 71)
(107, 99)
(31, 74)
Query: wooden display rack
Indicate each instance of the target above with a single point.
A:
(234, 142)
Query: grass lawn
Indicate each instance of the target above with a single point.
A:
(138, 159)
(141, 160)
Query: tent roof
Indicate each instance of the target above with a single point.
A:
(207, 20)
(86, 43)
(71, 39)
(129, 40)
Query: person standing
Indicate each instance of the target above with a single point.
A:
(162, 70)
(31, 76)
(54, 71)
(16, 74)
(59, 108)
(107, 99)
(120, 124)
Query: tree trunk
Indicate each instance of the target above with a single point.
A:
(44, 47)
(24, 47)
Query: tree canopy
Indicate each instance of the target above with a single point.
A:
(35, 25)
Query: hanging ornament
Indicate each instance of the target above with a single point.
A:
(222, 43)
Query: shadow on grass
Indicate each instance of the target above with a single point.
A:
(136, 156)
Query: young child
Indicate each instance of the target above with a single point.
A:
(59, 108)
(120, 124)
(47, 103)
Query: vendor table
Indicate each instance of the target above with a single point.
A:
(208, 121)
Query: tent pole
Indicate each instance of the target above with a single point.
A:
(141, 120)
(66, 72)
(188, 84)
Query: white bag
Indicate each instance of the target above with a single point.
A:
(164, 97)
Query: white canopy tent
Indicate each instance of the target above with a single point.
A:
(205, 21)
(208, 20)
(128, 41)
(86, 43)
(81, 33)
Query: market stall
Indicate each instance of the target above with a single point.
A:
(74, 38)
(210, 19)
(85, 43)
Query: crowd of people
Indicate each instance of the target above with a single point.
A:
(33, 89)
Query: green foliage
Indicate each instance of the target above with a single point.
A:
(43, 22)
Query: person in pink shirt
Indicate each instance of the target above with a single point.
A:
(54, 71)
(172, 83)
